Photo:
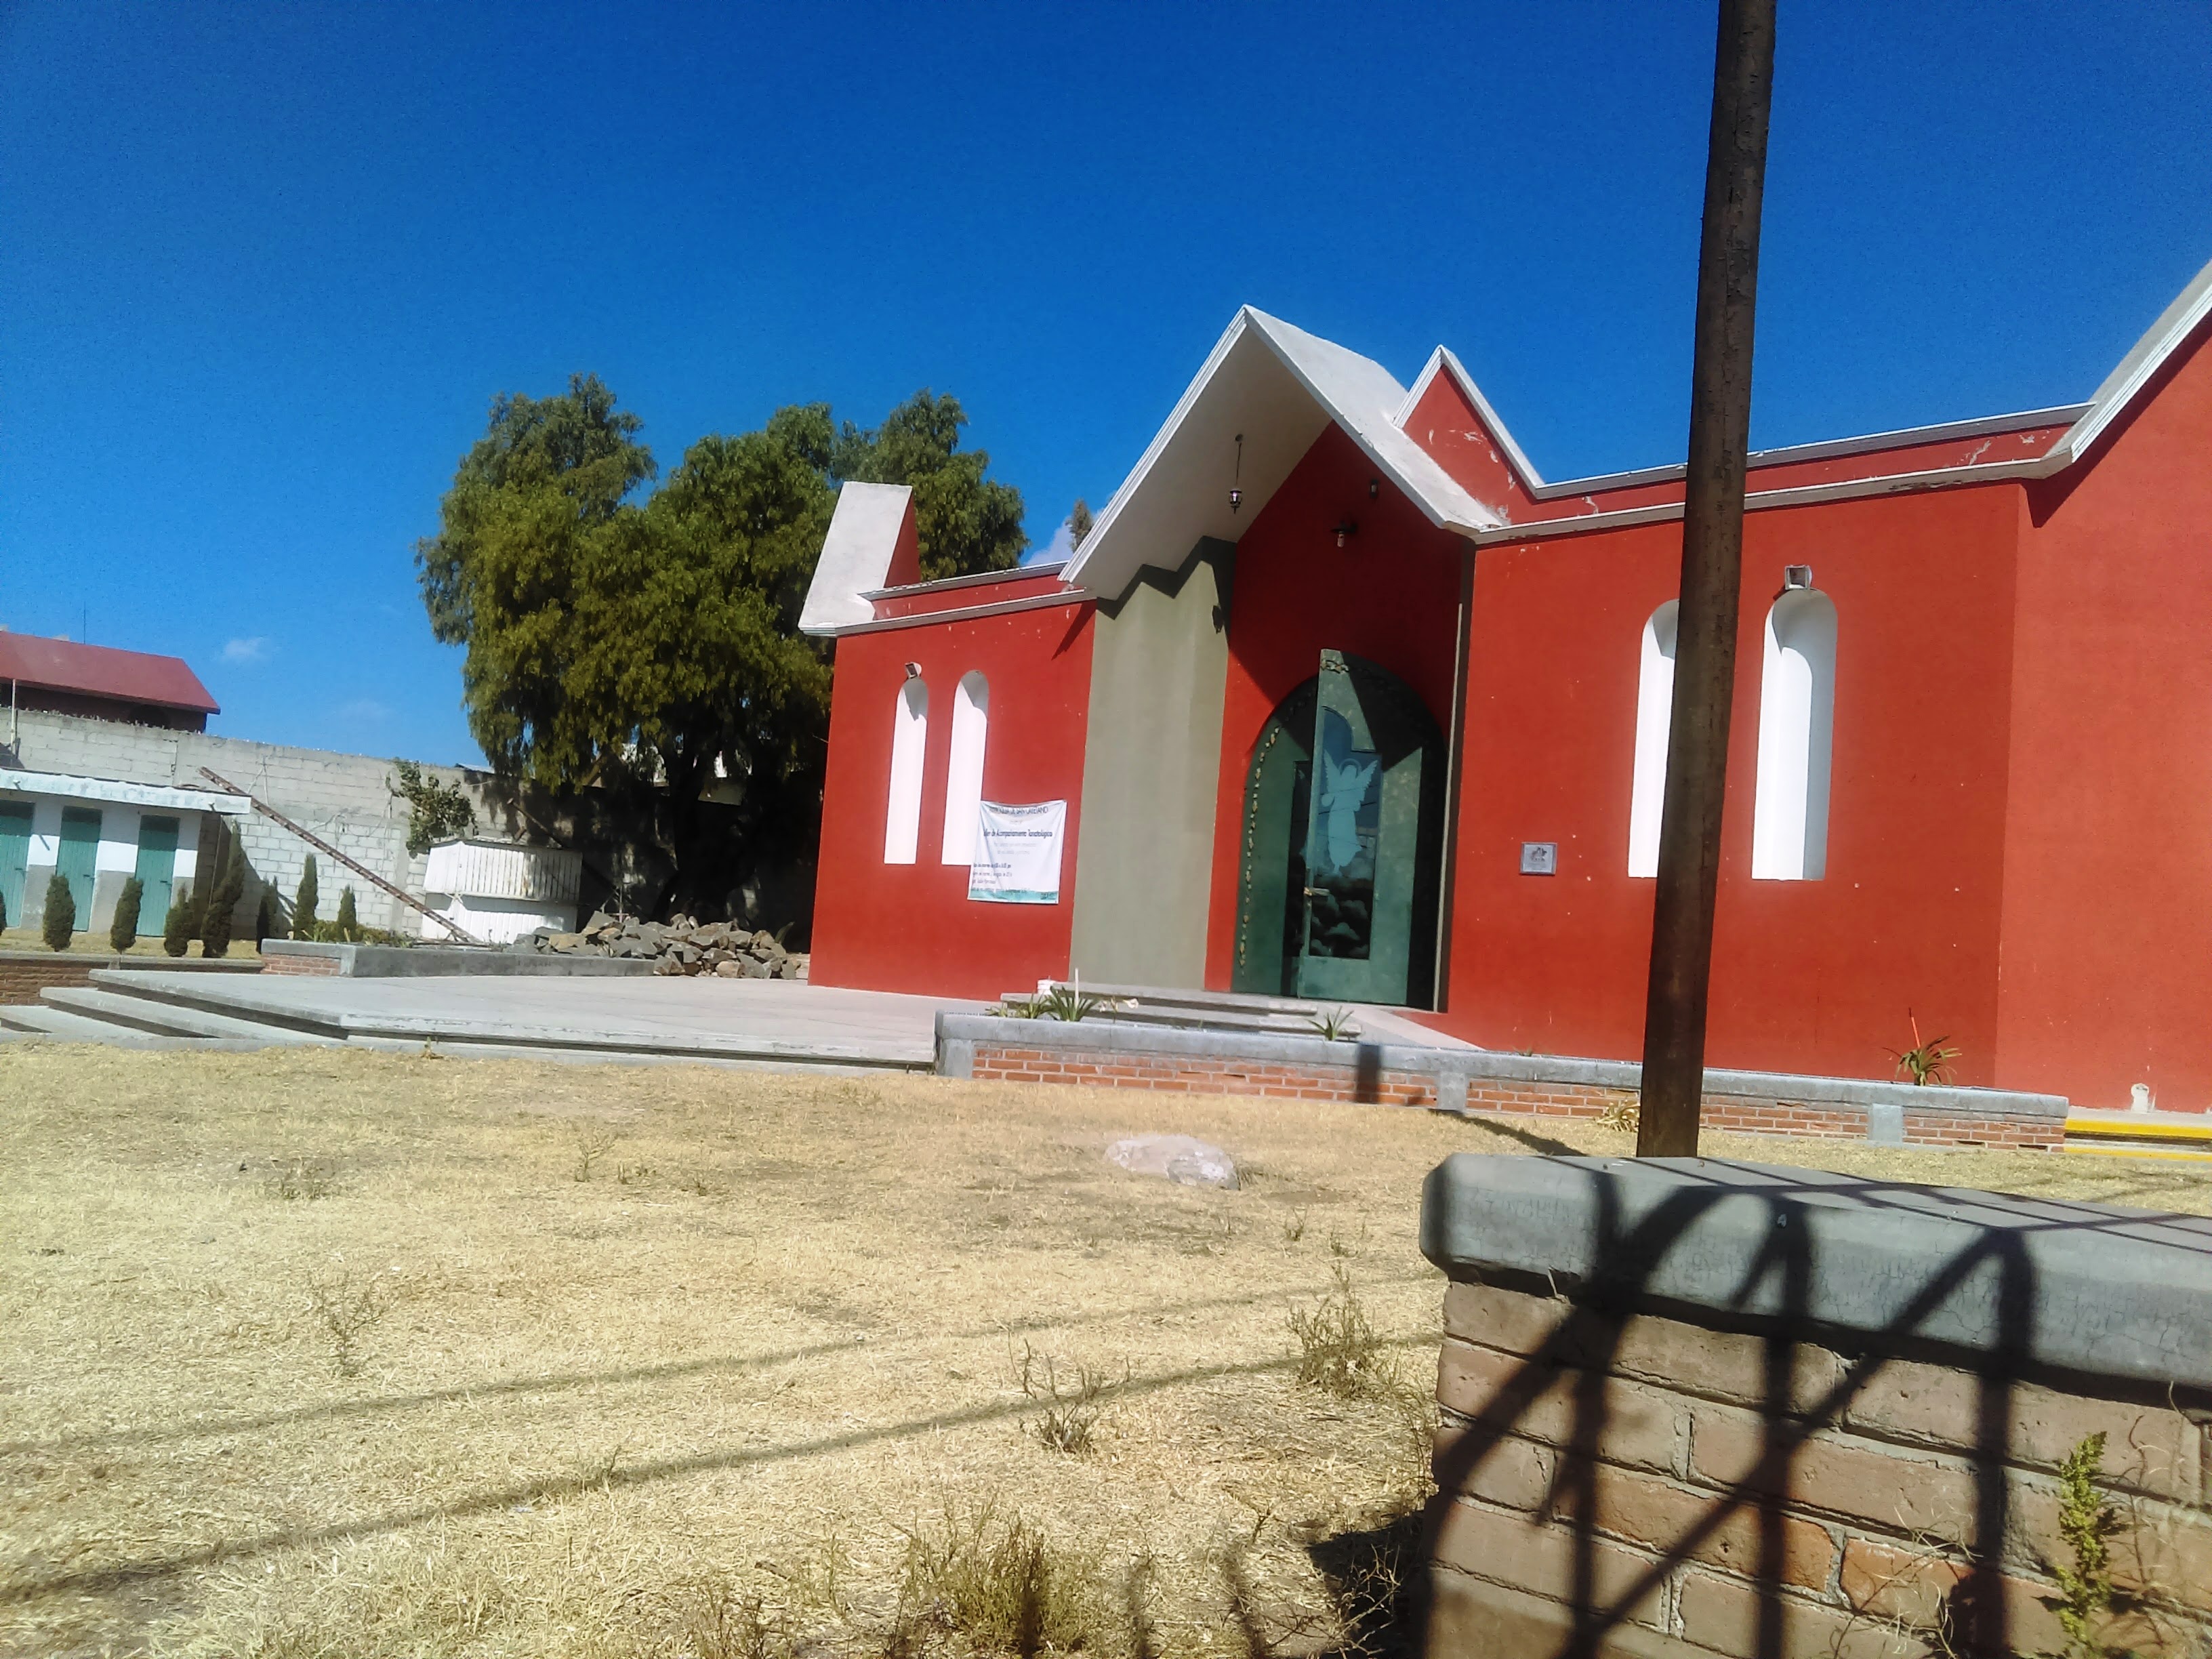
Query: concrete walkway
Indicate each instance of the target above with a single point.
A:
(774, 1022)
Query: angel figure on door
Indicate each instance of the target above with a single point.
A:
(1344, 791)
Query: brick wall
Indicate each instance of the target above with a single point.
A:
(24, 974)
(1376, 1082)
(1650, 1474)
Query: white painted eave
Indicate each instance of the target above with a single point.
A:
(123, 795)
(856, 556)
(2173, 328)
(1280, 387)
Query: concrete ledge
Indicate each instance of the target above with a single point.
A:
(435, 962)
(1455, 1074)
(2015, 1284)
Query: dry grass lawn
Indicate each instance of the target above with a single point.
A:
(335, 1352)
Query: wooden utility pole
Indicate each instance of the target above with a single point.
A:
(1712, 557)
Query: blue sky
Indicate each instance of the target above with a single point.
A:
(262, 268)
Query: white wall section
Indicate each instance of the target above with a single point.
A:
(909, 741)
(1655, 715)
(1797, 719)
(963, 787)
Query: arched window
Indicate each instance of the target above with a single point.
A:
(1796, 716)
(1654, 716)
(910, 739)
(963, 788)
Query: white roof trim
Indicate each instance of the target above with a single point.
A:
(1356, 393)
(123, 795)
(2136, 370)
(856, 555)
(964, 613)
(1757, 501)
(1443, 358)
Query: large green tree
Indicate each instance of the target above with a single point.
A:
(642, 643)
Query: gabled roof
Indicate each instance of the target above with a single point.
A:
(1278, 386)
(101, 671)
(2173, 328)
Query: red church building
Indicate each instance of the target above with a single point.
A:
(1341, 699)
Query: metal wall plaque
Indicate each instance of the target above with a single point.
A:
(1540, 857)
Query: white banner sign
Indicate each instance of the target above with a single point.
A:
(1018, 852)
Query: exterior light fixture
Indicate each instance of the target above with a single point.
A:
(1797, 576)
(1347, 528)
(1374, 487)
(914, 671)
(1236, 488)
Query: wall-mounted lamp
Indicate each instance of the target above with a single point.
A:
(1236, 488)
(1374, 487)
(914, 671)
(1795, 576)
(1347, 528)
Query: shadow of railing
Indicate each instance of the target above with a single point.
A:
(1774, 1301)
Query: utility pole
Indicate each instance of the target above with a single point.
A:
(1712, 557)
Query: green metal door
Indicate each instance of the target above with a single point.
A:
(156, 871)
(14, 856)
(1343, 841)
(79, 852)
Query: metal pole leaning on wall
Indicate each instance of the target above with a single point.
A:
(352, 864)
(1712, 557)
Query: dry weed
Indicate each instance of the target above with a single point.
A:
(345, 1311)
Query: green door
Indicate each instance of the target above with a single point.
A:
(14, 856)
(156, 871)
(1343, 840)
(79, 851)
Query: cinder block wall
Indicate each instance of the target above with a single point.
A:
(1763, 1414)
(343, 799)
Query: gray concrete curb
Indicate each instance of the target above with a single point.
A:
(438, 961)
(1858, 1262)
(1454, 1068)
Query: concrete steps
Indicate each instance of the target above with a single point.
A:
(39, 1019)
(133, 1009)
(163, 1018)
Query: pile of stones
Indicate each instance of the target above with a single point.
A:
(682, 944)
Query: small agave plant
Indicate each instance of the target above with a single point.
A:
(1928, 1060)
(1054, 1001)
(1336, 1025)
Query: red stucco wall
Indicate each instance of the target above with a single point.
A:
(1809, 976)
(912, 927)
(1390, 594)
(2108, 903)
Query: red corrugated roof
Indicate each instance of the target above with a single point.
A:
(101, 671)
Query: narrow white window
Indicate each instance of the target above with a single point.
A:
(910, 739)
(1654, 716)
(1796, 716)
(963, 789)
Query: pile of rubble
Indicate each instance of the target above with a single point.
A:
(681, 945)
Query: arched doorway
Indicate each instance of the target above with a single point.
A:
(1343, 839)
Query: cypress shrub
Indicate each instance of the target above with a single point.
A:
(123, 930)
(348, 923)
(265, 921)
(176, 931)
(61, 912)
(224, 891)
(303, 905)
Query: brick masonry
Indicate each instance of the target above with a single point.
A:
(1378, 1083)
(1679, 1444)
(24, 974)
(1682, 1504)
